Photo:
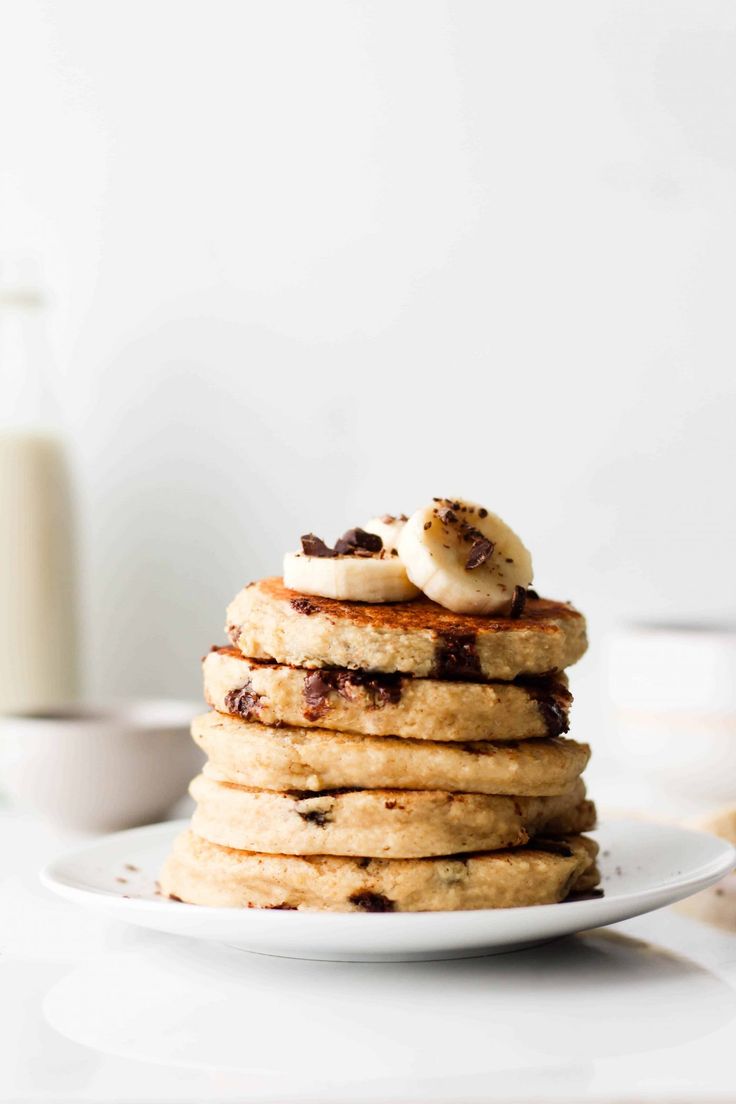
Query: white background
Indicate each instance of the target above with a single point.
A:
(313, 261)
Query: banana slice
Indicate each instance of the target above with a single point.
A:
(388, 528)
(357, 569)
(465, 558)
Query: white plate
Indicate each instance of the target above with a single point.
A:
(645, 866)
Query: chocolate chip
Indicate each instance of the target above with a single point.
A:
(317, 688)
(553, 702)
(368, 901)
(303, 605)
(357, 540)
(381, 689)
(283, 907)
(447, 515)
(555, 717)
(243, 702)
(531, 593)
(456, 657)
(320, 817)
(482, 512)
(518, 602)
(315, 546)
(480, 551)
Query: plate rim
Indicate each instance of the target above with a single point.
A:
(708, 873)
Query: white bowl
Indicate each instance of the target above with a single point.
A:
(101, 767)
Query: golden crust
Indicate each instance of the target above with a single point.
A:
(269, 621)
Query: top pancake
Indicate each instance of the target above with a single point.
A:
(266, 620)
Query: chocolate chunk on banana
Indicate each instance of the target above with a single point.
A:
(465, 558)
(357, 569)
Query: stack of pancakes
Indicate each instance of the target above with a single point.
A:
(386, 757)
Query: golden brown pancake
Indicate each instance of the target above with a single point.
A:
(375, 704)
(544, 872)
(269, 621)
(287, 758)
(392, 824)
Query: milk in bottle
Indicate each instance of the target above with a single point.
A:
(38, 637)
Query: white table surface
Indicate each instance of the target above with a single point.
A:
(92, 1010)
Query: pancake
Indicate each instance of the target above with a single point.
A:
(400, 824)
(206, 874)
(268, 621)
(285, 758)
(384, 705)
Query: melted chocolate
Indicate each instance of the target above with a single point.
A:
(368, 901)
(553, 701)
(382, 689)
(456, 657)
(244, 703)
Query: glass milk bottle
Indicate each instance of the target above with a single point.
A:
(38, 628)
